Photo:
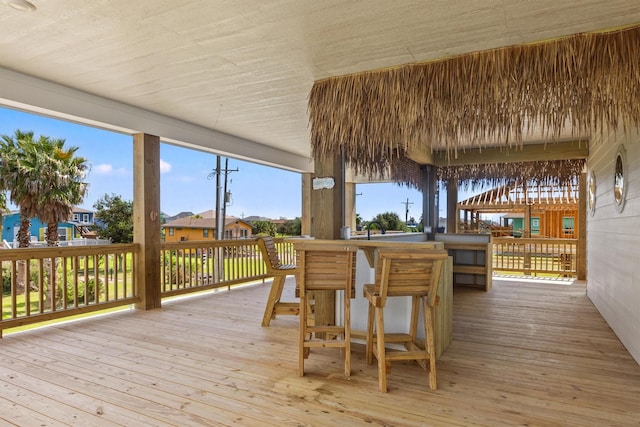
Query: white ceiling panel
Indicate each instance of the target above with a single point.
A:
(245, 68)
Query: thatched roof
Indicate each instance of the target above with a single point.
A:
(586, 81)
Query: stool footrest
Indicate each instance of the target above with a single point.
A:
(325, 343)
(286, 308)
(329, 329)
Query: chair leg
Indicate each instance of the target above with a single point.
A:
(429, 343)
(347, 336)
(369, 348)
(415, 312)
(277, 285)
(302, 333)
(382, 361)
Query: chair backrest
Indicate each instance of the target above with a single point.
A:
(401, 272)
(327, 268)
(269, 253)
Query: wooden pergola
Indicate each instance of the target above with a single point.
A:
(550, 203)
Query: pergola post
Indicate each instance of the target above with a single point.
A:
(146, 218)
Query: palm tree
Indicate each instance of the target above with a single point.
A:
(61, 185)
(44, 180)
(17, 180)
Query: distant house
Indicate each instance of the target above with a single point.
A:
(204, 228)
(78, 226)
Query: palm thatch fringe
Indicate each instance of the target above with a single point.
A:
(490, 175)
(550, 173)
(589, 81)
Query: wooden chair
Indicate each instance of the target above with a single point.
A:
(400, 272)
(325, 268)
(279, 272)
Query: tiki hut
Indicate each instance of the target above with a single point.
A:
(394, 121)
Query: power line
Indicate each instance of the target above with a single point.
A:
(406, 210)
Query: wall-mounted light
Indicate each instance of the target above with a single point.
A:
(22, 5)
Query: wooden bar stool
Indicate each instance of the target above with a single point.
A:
(325, 267)
(279, 272)
(400, 272)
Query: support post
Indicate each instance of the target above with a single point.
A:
(452, 206)
(146, 218)
(326, 221)
(306, 205)
(581, 228)
(429, 203)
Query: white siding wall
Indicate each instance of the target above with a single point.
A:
(613, 239)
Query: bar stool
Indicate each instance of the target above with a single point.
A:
(325, 267)
(400, 272)
(279, 272)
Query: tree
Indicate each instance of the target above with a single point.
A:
(15, 180)
(44, 180)
(390, 221)
(291, 228)
(62, 184)
(114, 219)
(264, 227)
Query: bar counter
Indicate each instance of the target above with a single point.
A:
(399, 308)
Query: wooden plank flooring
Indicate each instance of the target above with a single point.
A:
(523, 354)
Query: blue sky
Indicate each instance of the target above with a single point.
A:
(184, 182)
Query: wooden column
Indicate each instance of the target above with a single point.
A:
(306, 204)
(581, 228)
(452, 206)
(146, 218)
(429, 204)
(326, 221)
(326, 203)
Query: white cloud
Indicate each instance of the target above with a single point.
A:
(107, 169)
(165, 167)
(104, 169)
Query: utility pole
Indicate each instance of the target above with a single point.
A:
(221, 210)
(406, 210)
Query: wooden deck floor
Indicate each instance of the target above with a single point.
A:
(522, 354)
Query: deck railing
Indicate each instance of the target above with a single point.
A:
(194, 266)
(533, 256)
(40, 284)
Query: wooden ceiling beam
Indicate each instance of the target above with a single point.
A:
(566, 150)
(421, 155)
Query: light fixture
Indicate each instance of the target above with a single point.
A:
(22, 5)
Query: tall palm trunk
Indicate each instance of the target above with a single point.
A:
(52, 236)
(24, 238)
(52, 239)
(24, 235)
